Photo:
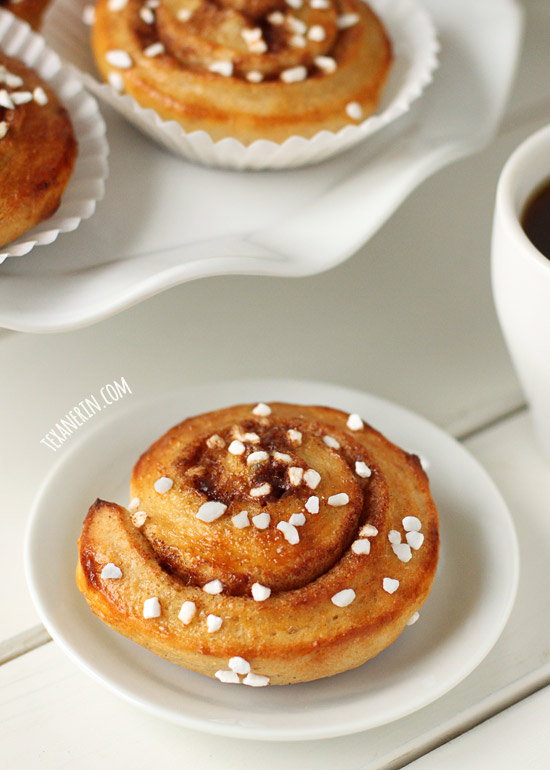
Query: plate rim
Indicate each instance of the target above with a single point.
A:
(188, 720)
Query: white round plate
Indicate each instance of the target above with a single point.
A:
(467, 609)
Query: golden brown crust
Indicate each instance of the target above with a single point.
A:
(37, 155)
(297, 633)
(30, 11)
(178, 83)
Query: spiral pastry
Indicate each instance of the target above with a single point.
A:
(37, 149)
(265, 545)
(30, 11)
(249, 69)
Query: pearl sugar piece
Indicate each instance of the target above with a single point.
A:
(390, 585)
(227, 677)
(415, 539)
(210, 511)
(261, 410)
(412, 524)
(354, 110)
(336, 501)
(343, 598)
(151, 608)
(163, 485)
(213, 623)
(240, 520)
(261, 520)
(312, 504)
(260, 593)
(239, 665)
(361, 546)
(111, 572)
(187, 612)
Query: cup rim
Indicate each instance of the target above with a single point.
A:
(506, 187)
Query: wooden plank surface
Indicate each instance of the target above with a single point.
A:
(518, 738)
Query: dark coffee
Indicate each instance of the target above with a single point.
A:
(536, 219)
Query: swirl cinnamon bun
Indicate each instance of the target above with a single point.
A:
(38, 149)
(248, 69)
(265, 545)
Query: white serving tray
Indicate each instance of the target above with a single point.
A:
(164, 221)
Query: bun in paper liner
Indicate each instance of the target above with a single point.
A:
(86, 184)
(265, 545)
(414, 46)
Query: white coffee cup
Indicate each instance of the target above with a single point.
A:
(521, 278)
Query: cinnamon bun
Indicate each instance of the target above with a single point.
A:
(248, 69)
(265, 544)
(38, 149)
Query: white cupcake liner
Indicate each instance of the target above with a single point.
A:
(87, 183)
(415, 50)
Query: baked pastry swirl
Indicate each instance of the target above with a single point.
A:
(30, 11)
(38, 149)
(265, 545)
(248, 69)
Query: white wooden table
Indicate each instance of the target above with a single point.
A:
(410, 317)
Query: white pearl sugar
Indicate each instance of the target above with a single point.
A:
(368, 531)
(390, 585)
(224, 68)
(312, 504)
(336, 501)
(210, 511)
(355, 422)
(213, 587)
(260, 593)
(213, 623)
(361, 546)
(297, 519)
(415, 539)
(354, 110)
(261, 491)
(343, 598)
(331, 442)
(362, 470)
(239, 665)
(402, 551)
(187, 612)
(412, 620)
(412, 524)
(163, 485)
(151, 608)
(261, 410)
(256, 680)
(394, 536)
(133, 505)
(257, 457)
(120, 59)
(294, 74)
(111, 572)
(295, 476)
(228, 677)
(240, 520)
(236, 447)
(312, 478)
(294, 436)
(261, 520)
(289, 531)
